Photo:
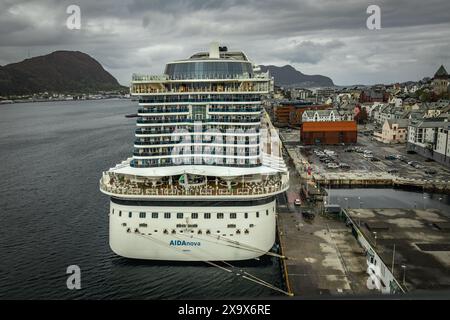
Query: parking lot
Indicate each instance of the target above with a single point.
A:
(373, 156)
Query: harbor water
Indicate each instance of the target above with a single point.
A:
(53, 215)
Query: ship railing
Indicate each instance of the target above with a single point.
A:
(191, 91)
(202, 76)
(157, 191)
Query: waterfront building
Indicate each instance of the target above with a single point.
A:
(206, 164)
(430, 139)
(393, 131)
(328, 132)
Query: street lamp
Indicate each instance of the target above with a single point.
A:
(359, 219)
(359, 200)
(346, 200)
(375, 237)
(404, 273)
(440, 202)
(424, 197)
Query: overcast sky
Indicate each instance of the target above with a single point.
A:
(327, 37)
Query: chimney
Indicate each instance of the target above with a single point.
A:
(214, 50)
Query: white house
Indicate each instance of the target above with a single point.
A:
(321, 115)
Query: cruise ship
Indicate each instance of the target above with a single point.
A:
(206, 167)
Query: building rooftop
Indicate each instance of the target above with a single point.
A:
(441, 73)
(421, 239)
(402, 123)
(329, 126)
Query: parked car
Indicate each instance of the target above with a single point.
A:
(308, 215)
(298, 202)
(349, 150)
(344, 166)
(390, 157)
(368, 155)
(332, 165)
(392, 170)
(374, 159)
(430, 171)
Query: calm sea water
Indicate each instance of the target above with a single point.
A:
(52, 214)
(388, 198)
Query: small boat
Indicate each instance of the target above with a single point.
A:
(131, 115)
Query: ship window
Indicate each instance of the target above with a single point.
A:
(113, 211)
(207, 215)
(120, 213)
(167, 215)
(246, 215)
(155, 215)
(231, 226)
(194, 215)
(233, 215)
(144, 225)
(257, 214)
(267, 212)
(130, 214)
(142, 215)
(219, 215)
(180, 215)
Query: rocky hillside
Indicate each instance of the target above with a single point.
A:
(59, 72)
(288, 76)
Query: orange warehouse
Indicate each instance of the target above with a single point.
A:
(329, 132)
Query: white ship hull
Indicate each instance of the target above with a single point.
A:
(245, 237)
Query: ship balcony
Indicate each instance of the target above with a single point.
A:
(141, 132)
(183, 99)
(234, 110)
(142, 187)
(228, 120)
(163, 111)
(224, 142)
(189, 153)
(190, 121)
(149, 91)
(162, 121)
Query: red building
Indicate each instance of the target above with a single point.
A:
(328, 132)
(291, 115)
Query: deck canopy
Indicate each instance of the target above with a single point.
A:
(217, 171)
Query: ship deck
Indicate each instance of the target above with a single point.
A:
(121, 185)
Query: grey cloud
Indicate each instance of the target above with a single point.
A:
(317, 36)
(308, 51)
